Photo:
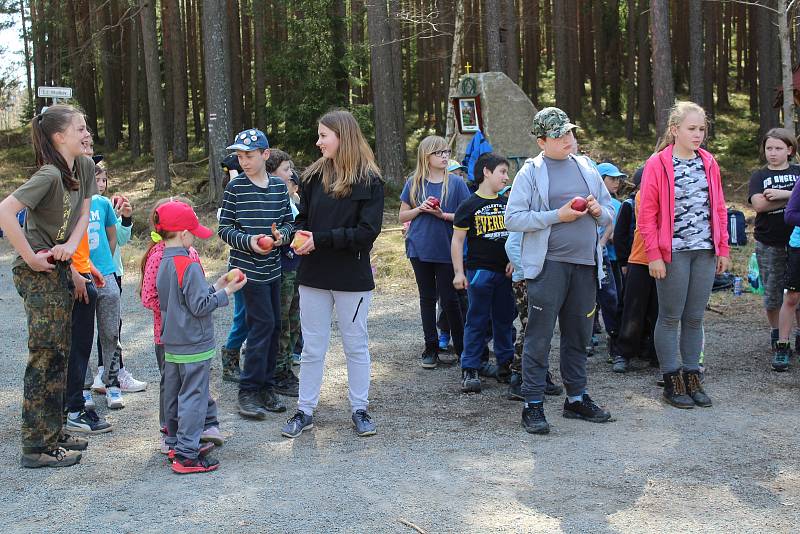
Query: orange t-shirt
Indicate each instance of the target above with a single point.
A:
(80, 260)
(638, 253)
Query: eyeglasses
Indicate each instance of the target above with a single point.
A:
(441, 153)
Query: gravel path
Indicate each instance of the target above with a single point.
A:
(442, 461)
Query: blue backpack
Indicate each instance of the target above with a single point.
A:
(737, 228)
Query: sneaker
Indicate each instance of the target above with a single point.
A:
(488, 369)
(88, 422)
(129, 384)
(201, 464)
(114, 399)
(250, 405)
(515, 387)
(444, 341)
(781, 356)
(58, 457)
(551, 388)
(430, 359)
(72, 443)
(88, 400)
(470, 381)
(203, 450)
(364, 425)
(503, 374)
(288, 385)
(213, 435)
(585, 409)
(620, 364)
(533, 419)
(297, 424)
(271, 402)
(97, 384)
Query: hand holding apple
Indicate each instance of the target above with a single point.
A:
(262, 244)
(568, 212)
(308, 246)
(595, 210)
(235, 275)
(579, 204)
(300, 237)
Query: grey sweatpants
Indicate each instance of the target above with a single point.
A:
(108, 312)
(567, 292)
(682, 299)
(188, 407)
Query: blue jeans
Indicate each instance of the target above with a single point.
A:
(263, 304)
(238, 333)
(491, 301)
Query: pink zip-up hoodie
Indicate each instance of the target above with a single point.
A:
(656, 220)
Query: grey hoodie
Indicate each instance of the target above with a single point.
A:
(187, 326)
(529, 211)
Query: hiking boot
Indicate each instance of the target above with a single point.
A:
(781, 356)
(72, 443)
(128, 384)
(297, 424)
(694, 388)
(114, 398)
(88, 422)
(212, 435)
(270, 401)
(620, 364)
(363, 422)
(585, 409)
(288, 384)
(430, 358)
(515, 387)
(533, 419)
(230, 365)
(503, 374)
(88, 400)
(201, 464)
(551, 388)
(250, 405)
(675, 391)
(470, 382)
(59, 457)
(488, 369)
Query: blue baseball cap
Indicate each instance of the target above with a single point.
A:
(609, 169)
(248, 140)
(453, 165)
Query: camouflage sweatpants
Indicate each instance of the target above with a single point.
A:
(521, 298)
(48, 307)
(290, 322)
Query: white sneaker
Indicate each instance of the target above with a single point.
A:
(130, 384)
(114, 399)
(98, 385)
(88, 400)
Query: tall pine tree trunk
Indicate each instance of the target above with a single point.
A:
(767, 79)
(512, 41)
(491, 26)
(177, 58)
(786, 66)
(456, 60)
(696, 53)
(247, 64)
(107, 57)
(643, 68)
(218, 99)
(260, 60)
(235, 63)
(134, 139)
(664, 92)
(195, 89)
(153, 73)
(630, 45)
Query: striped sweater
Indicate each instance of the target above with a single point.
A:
(249, 210)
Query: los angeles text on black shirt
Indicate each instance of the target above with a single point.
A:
(484, 221)
(770, 228)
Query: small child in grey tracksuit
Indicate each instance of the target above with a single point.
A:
(186, 301)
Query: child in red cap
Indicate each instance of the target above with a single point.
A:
(186, 301)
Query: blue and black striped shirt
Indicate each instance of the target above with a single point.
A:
(249, 210)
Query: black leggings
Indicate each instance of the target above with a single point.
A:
(119, 343)
(435, 282)
(639, 314)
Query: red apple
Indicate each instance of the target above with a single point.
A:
(234, 274)
(300, 237)
(50, 259)
(266, 243)
(434, 202)
(579, 204)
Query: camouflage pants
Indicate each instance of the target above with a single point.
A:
(290, 322)
(48, 307)
(521, 298)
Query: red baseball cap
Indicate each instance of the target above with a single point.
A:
(176, 216)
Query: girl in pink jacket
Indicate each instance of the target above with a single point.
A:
(683, 221)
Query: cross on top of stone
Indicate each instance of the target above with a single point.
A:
(468, 67)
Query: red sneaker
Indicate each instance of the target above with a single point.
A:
(204, 449)
(202, 464)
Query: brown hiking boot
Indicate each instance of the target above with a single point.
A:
(230, 365)
(675, 391)
(72, 443)
(59, 457)
(695, 389)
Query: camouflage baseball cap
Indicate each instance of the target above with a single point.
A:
(551, 122)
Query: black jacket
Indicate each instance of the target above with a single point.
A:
(623, 232)
(344, 230)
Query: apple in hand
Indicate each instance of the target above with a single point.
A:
(50, 259)
(579, 204)
(300, 237)
(434, 202)
(234, 275)
(266, 243)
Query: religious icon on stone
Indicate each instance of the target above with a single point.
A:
(468, 113)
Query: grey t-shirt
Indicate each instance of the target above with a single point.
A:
(572, 242)
(692, 229)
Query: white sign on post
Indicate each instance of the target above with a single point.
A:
(54, 92)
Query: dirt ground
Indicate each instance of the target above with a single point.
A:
(441, 461)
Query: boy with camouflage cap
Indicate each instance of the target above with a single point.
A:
(562, 263)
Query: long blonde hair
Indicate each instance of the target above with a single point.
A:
(677, 113)
(429, 145)
(354, 161)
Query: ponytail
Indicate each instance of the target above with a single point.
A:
(56, 118)
(677, 113)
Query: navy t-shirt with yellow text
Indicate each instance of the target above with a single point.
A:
(484, 221)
